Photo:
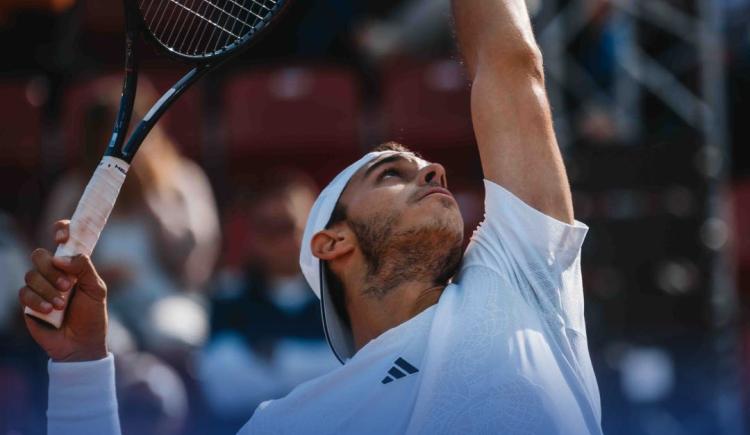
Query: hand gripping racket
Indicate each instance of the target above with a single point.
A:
(204, 33)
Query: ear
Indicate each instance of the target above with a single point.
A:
(331, 244)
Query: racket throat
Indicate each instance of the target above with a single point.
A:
(153, 115)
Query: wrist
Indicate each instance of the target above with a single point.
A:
(83, 355)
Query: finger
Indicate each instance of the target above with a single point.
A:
(36, 282)
(61, 230)
(81, 267)
(32, 300)
(42, 260)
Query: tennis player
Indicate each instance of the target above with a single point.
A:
(432, 339)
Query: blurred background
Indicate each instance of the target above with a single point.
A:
(209, 314)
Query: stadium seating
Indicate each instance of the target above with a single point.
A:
(183, 121)
(300, 116)
(417, 97)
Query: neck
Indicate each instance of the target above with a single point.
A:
(372, 316)
(403, 281)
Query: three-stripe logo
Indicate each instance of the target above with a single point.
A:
(397, 371)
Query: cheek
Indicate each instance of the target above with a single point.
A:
(378, 203)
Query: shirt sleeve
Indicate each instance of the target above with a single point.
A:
(536, 253)
(82, 398)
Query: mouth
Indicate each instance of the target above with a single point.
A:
(436, 191)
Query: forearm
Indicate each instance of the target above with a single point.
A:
(509, 106)
(497, 32)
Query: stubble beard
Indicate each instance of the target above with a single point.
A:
(430, 253)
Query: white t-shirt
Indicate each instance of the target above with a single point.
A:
(503, 351)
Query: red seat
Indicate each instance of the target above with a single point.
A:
(306, 117)
(101, 17)
(182, 121)
(426, 107)
(102, 27)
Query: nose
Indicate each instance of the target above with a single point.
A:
(433, 174)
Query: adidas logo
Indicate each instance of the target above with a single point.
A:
(397, 371)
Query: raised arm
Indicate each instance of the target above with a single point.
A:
(509, 106)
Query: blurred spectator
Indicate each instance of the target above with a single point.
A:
(415, 28)
(152, 397)
(161, 243)
(597, 124)
(311, 30)
(596, 46)
(13, 261)
(266, 336)
(22, 382)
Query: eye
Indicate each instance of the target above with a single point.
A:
(390, 172)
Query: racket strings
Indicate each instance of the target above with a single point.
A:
(204, 27)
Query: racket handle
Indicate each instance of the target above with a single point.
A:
(88, 220)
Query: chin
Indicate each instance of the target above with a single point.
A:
(445, 223)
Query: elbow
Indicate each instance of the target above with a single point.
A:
(531, 61)
(520, 60)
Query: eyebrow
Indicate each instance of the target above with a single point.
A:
(382, 162)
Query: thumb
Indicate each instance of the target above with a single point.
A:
(81, 267)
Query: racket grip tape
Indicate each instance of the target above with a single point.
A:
(88, 220)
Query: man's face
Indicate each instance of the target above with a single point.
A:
(280, 221)
(404, 218)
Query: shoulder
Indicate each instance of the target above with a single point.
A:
(513, 226)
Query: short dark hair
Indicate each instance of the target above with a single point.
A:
(392, 146)
(335, 285)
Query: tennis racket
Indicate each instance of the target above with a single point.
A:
(205, 34)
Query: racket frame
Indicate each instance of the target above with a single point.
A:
(129, 86)
(135, 25)
(92, 213)
(230, 50)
